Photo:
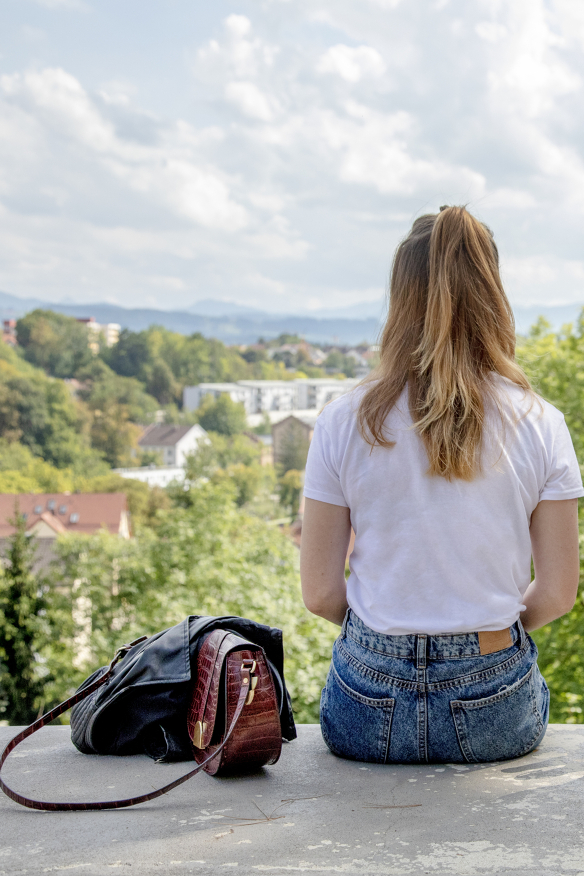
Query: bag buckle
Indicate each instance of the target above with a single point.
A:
(198, 734)
(251, 666)
(123, 650)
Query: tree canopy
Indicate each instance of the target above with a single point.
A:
(56, 343)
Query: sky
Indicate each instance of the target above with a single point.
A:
(274, 152)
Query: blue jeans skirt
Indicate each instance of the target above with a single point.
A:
(431, 699)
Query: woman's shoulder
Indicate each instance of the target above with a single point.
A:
(342, 411)
(525, 405)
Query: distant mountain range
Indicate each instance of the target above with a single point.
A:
(237, 324)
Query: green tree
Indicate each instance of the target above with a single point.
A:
(336, 361)
(22, 472)
(130, 356)
(116, 405)
(265, 427)
(293, 450)
(554, 363)
(22, 629)
(247, 480)
(290, 490)
(222, 415)
(58, 344)
(41, 414)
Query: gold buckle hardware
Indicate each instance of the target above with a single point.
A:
(253, 679)
(199, 732)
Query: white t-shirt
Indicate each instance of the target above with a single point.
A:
(436, 556)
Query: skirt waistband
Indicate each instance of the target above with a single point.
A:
(437, 647)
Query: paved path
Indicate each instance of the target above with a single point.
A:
(311, 813)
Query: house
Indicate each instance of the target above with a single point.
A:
(174, 443)
(291, 438)
(48, 515)
(9, 332)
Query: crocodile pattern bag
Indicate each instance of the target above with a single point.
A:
(257, 737)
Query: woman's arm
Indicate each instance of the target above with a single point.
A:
(326, 531)
(554, 546)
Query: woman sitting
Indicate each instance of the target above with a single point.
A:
(453, 475)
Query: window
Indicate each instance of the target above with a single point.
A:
(74, 518)
(51, 504)
(38, 509)
(63, 509)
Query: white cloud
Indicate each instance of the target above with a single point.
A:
(510, 199)
(248, 98)
(570, 15)
(351, 64)
(64, 4)
(491, 31)
(240, 54)
(453, 102)
(544, 279)
(191, 188)
(377, 149)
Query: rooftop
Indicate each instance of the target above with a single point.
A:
(309, 813)
(64, 512)
(308, 418)
(165, 435)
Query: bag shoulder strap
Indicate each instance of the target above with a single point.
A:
(77, 698)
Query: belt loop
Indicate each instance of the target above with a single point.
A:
(421, 643)
(345, 622)
(522, 635)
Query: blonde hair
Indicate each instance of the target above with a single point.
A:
(449, 326)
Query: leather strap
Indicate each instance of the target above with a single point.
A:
(81, 695)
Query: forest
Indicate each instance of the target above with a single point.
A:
(216, 544)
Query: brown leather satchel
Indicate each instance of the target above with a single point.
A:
(233, 720)
(257, 737)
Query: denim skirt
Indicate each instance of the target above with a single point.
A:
(431, 699)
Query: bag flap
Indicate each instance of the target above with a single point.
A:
(203, 711)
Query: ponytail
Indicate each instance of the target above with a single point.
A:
(449, 326)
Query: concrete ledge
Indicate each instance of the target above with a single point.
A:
(311, 812)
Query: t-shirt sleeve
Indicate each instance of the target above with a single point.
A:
(321, 479)
(564, 480)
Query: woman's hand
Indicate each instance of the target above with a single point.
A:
(326, 532)
(554, 546)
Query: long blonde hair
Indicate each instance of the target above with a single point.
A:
(449, 326)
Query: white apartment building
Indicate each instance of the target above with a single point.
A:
(265, 396)
(270, 395)
(194, 395)
(318, 391)
(110, 332)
